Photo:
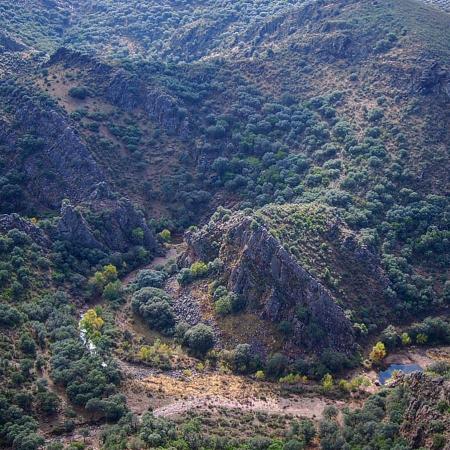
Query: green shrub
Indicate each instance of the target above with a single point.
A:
(150, 278)
(154, 306)
(223, 306)
(276, 365)
(199, 269)
(112, 292)
(200, 339)
(79, 92)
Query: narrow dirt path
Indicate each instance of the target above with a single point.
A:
(123, 315)
(172, 253)
(305, 407)
(171, 393)
(175, 394)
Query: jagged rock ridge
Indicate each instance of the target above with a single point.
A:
(275, 285)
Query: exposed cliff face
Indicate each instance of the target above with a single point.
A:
(122, 225)
(73, 227)
(61, 166)
(434, 79)
(9, 222)
(274, 284)
(116, 225)
(128, 92)
(422, 413)
(58, 165)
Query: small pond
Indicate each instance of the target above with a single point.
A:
(405, 368)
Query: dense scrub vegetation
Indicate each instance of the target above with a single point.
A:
(41, 344)
(297, 115)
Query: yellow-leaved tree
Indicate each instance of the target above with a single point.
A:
(378, 352)
(91, 323)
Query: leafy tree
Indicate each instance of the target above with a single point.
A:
(101, 278)
(110, 272)
(293, 444)
(406, 339)
(47, 402)
(223, 306)
(27, 344)
(421, 338)
(390, 337)
(111, 409)
(330, 436)
(137, 235)
(9, 316)
(155, 431)
(276, 365)
(378, 352)
(327, 382)
(79, 92)
(113, 291)
(199, 269)
(260, 375)
(92, 323)
(200, 339)
(244, 359)
(154, 306)
(165, 235)
(150, 278)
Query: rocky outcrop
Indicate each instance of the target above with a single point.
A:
(61, 166)
(73, 227)
(128, 92)
(125, 90)
(8, 44)
(10, 222)
(196, 39)
(274, 284)
(433, 78)
(422, 413)
(115, 225)
(69, 57)
(120, 225)
(315, 29)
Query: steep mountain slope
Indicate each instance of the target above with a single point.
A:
(352, 119)
(444, 4)
(279, 261)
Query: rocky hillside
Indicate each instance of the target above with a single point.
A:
(444, 4)
(411, 413)
(296, 151)
(428, 397)
(300, 265)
